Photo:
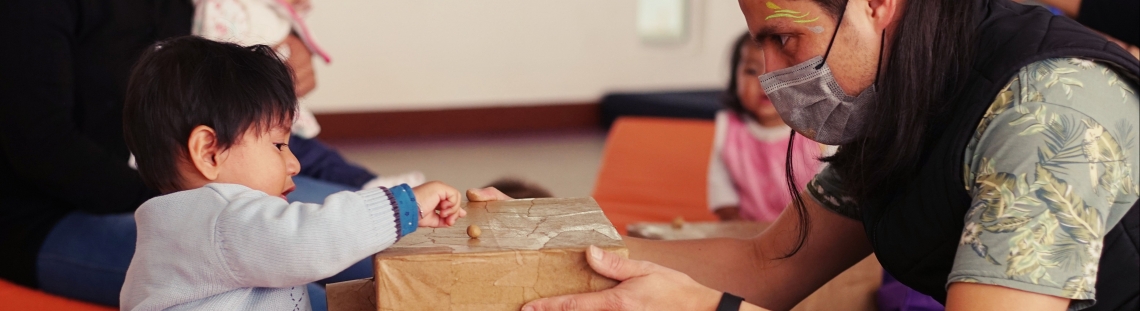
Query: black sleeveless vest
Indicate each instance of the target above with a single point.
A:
(915, 232)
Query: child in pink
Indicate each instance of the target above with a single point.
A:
(747, 169)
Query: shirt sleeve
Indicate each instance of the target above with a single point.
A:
(38, 135)
(826, 190)
(1050, 170)
(267, 242)
(721, 190)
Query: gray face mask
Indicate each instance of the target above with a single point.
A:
(812, 103)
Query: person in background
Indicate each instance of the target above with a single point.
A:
(1113, 19)
(747, 168)
(281, 24)
(67, 225)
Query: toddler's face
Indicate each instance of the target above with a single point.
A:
(261, 161)
(748, 87)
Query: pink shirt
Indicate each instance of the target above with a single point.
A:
(753, 160)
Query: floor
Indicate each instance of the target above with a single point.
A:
(565, 162)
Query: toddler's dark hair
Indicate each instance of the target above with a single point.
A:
(730, 99)
(181, 83)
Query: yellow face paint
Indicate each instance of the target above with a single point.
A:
(795, 16)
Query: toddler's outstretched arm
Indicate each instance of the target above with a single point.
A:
(266, 242)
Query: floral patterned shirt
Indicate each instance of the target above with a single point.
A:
(1051, 168)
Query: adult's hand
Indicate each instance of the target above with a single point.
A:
(1132, 49)
(1068, 7)
(1100, 20)
(644, 286)
(301, 5)
(486, 194)
(301, 61)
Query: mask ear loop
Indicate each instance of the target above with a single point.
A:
(879, 65)
(833, 35)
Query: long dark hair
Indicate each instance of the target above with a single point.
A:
(931, 51)
(731, 100)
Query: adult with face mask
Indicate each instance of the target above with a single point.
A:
(988, 156)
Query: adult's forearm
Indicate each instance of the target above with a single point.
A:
(730, 265)
(707, 261)
(755, 269)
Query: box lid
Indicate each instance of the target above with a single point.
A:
(516, 225)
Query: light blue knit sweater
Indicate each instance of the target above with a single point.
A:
(229, 247)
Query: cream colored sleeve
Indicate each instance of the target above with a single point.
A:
(721, 190)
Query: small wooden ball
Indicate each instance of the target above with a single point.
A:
(473, 231)
(678, 222)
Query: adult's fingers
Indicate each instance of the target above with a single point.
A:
(617, 267)
(301, 61)
(300, 5)
(303, 87)
(602, 300)
(305, 80)
(486, 194)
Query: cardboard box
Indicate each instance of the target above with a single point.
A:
(528, 249)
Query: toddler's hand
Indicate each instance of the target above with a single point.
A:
(439, 204)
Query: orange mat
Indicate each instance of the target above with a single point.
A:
(16, 297)
(655, 169)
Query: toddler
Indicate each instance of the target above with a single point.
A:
(209, 124)
(747, 169)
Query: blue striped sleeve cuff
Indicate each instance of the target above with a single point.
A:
(407, 209)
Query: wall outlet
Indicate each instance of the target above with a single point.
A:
(662, 21)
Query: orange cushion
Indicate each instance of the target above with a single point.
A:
(655, 169)
(16, 297)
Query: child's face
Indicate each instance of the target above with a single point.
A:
(748, 88)
(261, 161)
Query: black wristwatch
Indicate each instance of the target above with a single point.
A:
(729, 302)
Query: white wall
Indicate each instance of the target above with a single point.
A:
(435, 54)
